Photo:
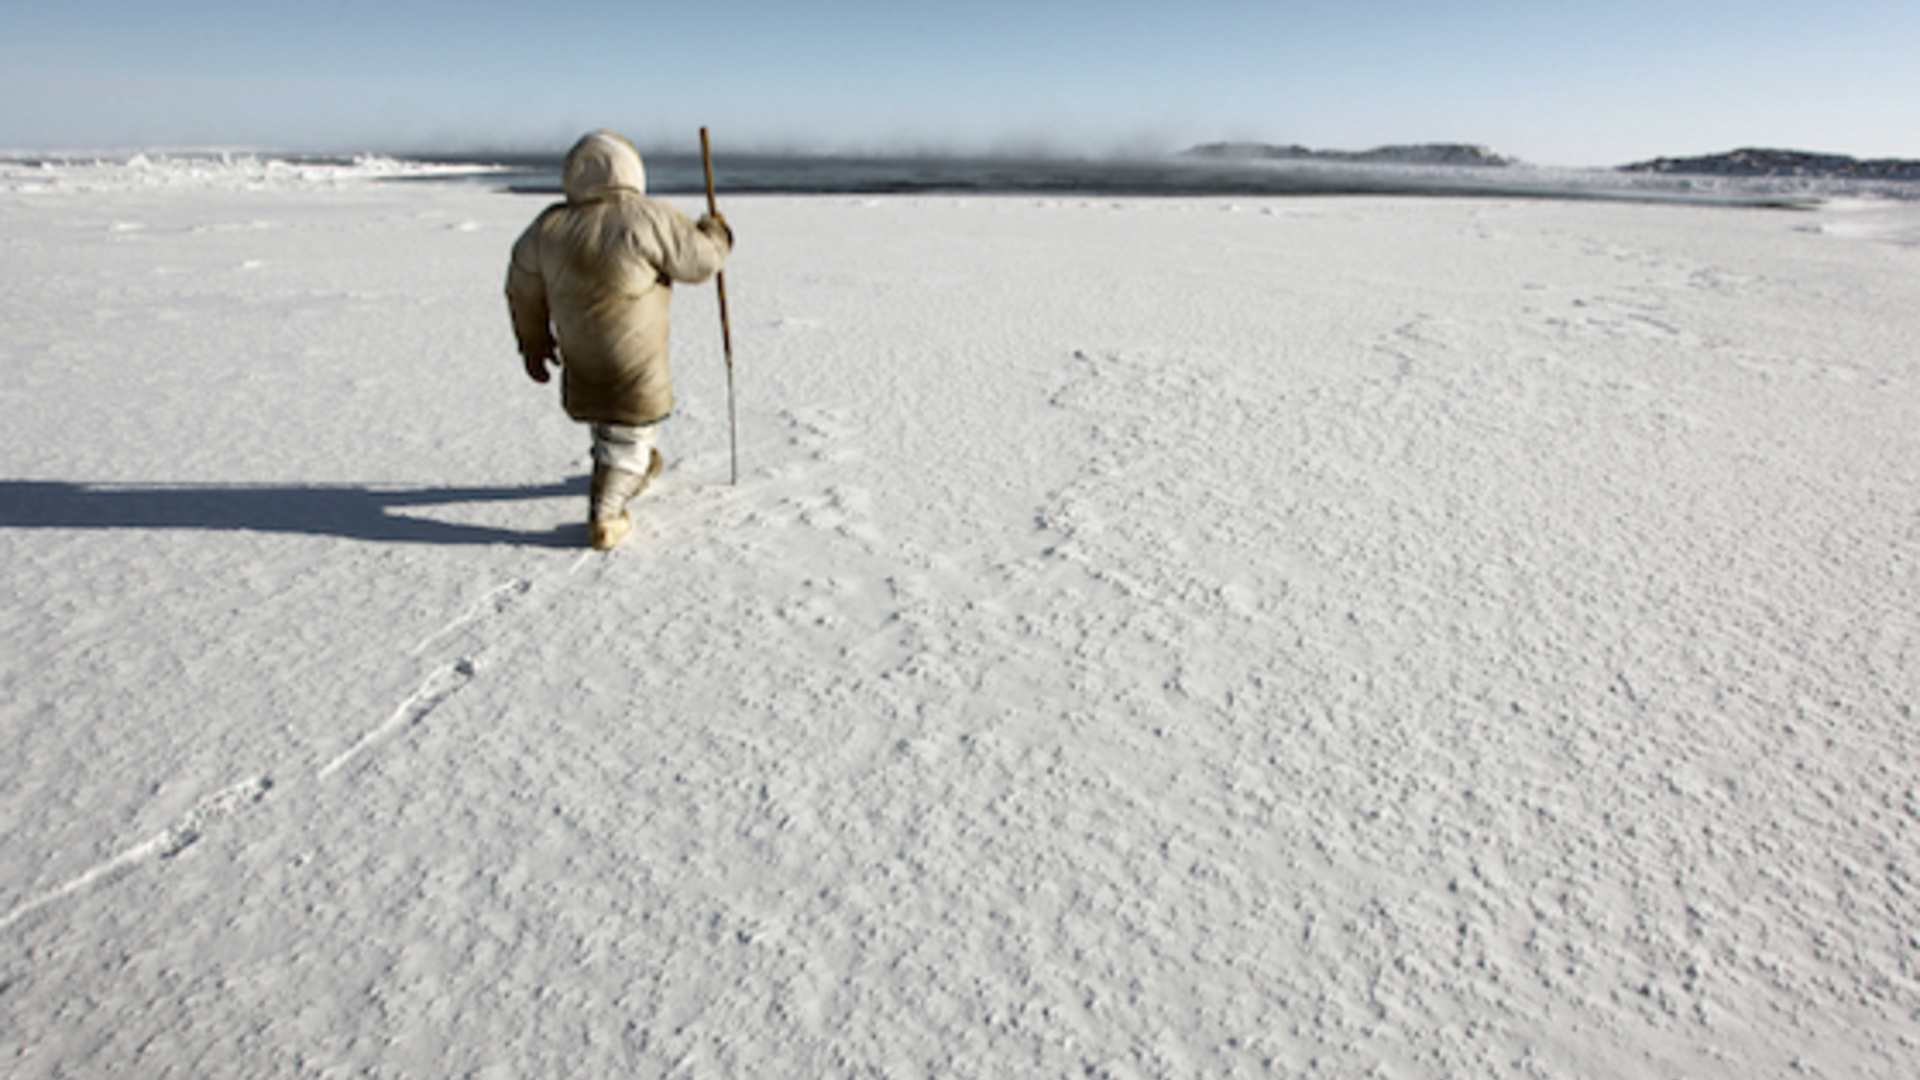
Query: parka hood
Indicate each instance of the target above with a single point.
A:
(600, 164)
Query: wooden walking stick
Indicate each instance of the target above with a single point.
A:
(726, 328)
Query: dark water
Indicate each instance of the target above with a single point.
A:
(755, 174)
(762, 174)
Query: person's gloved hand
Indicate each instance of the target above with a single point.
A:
(709, 223)
(537, 366)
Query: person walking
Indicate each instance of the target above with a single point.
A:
(588, 288)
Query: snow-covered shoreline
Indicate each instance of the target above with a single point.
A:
(104, 171)
(1151, 637)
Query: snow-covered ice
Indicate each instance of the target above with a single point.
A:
(1150, 638)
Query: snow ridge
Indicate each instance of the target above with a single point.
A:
(439, 685)
(166, 844)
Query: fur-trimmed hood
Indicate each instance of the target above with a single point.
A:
(600, 164)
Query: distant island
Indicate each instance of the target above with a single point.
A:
(1423, 154)
(1747, 162)
(1768, 163)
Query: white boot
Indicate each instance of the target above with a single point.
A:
(607, 519)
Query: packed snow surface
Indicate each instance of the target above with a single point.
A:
(1149, 638)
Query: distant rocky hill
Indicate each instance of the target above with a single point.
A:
(1424, 154)
(1751, 162)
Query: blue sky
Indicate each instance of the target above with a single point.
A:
(1587, 84)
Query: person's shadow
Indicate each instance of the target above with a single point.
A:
(357, 513)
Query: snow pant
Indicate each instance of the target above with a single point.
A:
(625, 446)
(627, 449)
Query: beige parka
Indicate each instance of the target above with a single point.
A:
(593, 276)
